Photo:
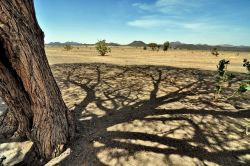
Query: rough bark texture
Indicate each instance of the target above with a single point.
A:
(26, 81)
(8, 125)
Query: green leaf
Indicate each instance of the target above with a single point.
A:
(247, 87)
(244, 87)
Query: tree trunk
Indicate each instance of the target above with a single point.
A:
(26, 81)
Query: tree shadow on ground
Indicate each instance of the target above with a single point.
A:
(137, 115)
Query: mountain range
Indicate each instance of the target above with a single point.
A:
(174, 45)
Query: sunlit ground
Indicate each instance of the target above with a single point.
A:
(149, 115)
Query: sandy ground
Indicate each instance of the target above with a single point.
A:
(134, 114)
(137, 56)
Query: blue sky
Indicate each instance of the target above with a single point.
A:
(123, 21)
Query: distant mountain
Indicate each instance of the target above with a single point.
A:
(54, 43)
(77, 44)
(113, 44)
(174, 45)
(137, 44)
(73, 43)
(85, 44)
(224, 47)
(65, 43)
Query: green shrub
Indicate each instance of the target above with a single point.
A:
(214, 51)
(68, 47)
(223, 78)
(158, 47)
(166, 46)
(102, 47)
(246, 64)
(153, 46)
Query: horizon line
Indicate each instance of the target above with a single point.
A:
(225, 45)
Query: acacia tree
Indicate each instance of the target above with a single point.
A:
(68, 47)
(102, 47)
(166, 46)
(153, 46)
(214, 51)
(26, 82)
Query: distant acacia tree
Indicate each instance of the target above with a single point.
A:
(214, 51)
(158, 47)
(102, 47)
(166, 46)
(153, 46)
(68, 47)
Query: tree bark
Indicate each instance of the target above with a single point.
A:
(26, 82)
(8, 125)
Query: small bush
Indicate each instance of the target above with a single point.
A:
(215, 52)
(153, 46)
(246, 64)
(223, 79)
(102, 47)
(68, 47)
(158, 47)
(166, 46)
(144, 48)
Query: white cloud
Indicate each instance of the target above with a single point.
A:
(142, 6)
(147, 23)
(161, 22)
(170, 6)
(194, 19)
(179, 14)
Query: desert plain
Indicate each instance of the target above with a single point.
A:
(143, 107)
